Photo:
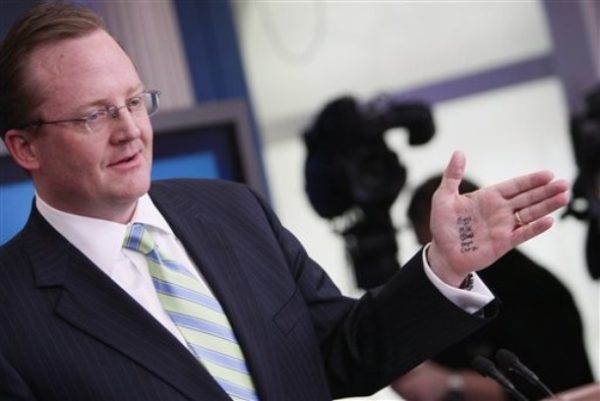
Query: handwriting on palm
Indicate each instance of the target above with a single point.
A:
(471, 231)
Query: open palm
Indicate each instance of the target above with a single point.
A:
(471, 231)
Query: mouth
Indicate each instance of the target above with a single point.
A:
(126, 161)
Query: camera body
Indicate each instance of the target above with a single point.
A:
(350, 171)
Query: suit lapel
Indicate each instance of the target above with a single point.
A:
(213, 252)
(91, 302)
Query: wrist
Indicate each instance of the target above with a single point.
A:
(439, 266)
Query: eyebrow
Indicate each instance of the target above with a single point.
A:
(137, 89)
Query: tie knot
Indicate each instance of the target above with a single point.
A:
(137, 238)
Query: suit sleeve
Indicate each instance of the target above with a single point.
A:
(367, 343)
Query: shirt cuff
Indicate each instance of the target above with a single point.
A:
(471, 301)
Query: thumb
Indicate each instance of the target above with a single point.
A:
(454, 172)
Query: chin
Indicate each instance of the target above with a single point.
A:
(133, 190)
(141, 188)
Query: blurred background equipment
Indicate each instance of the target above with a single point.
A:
(585, 200)
(352, 175)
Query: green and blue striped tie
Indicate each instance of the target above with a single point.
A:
(198, 316)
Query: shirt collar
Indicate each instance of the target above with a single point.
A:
(147, 213)
(100, 240)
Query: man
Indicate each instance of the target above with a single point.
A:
(538, 320)
(84, 297)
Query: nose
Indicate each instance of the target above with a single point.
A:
(114, 111)
(124, 124)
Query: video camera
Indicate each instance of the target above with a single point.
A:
(351, 172)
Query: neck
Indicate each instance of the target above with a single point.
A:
(118, 212)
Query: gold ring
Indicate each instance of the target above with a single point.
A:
(518, 218)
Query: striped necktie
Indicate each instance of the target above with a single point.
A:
(197, 315)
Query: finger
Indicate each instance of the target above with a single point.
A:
(541, 209)
(539, 194)
(510, 188)
(528, 231)
(454, 172)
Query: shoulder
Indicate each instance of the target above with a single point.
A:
(204, 190)
(207, 197)
(193, 185)
(15, 270)
(14, 251)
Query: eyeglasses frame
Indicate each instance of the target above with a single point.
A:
(113, 112)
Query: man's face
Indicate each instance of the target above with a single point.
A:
(99, 174)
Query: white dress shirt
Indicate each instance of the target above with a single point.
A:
(101, 241)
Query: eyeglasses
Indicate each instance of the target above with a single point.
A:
(143, 105)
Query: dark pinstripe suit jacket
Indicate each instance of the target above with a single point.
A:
(69, 333)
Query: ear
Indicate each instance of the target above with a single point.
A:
(20, 145)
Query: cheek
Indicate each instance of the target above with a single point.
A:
(72, 157)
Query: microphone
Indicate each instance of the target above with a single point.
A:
(486, 368)
(509, 361)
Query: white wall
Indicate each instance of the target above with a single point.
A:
(298, 54)
(362, 48)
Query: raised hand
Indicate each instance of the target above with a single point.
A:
(471, 231)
